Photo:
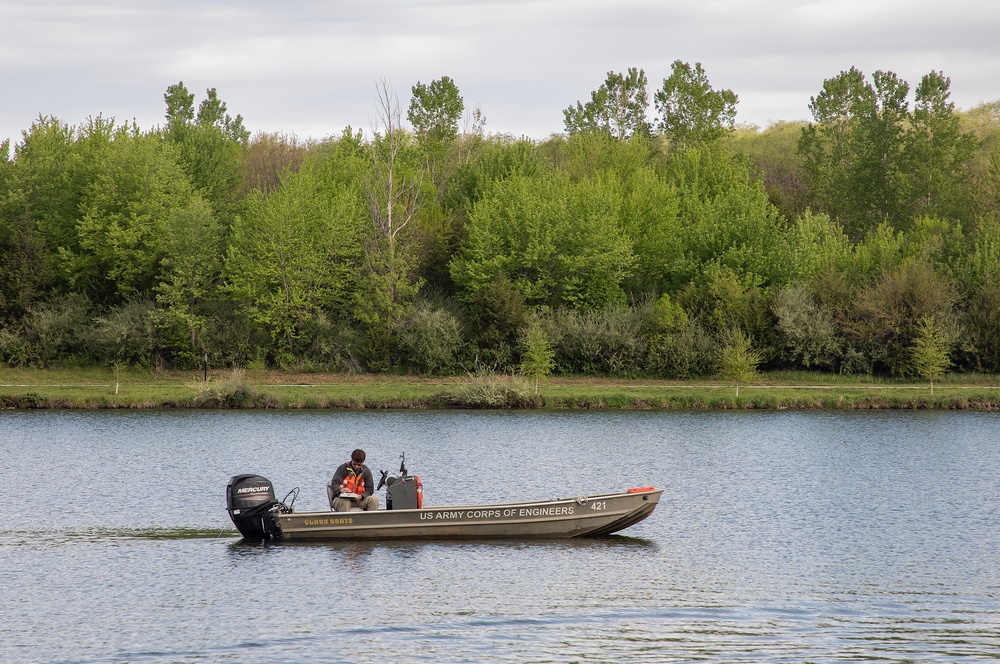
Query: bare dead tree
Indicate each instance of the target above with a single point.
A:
(392, 190)
(392, 198)
(471, 136)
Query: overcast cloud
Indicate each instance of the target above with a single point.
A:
(310, 67)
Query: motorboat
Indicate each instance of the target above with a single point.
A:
(259, 515)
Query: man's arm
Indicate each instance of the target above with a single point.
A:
(338, 478)
(369, 482)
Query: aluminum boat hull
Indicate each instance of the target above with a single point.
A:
(584, 516)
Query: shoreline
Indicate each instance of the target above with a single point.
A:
(95, 389)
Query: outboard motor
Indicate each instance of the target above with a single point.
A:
(405, 492)
(250, 500)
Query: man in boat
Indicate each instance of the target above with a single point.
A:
(352, 485)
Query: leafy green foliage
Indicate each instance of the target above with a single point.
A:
(435, 110)
(983, 327)
(725, 219)
(617, 107)
(738, 360)
(808, 332)
(49, 332)
(211, 148)
(636, 254)
(930, 351)
(392, 185)
(54, 164)
(180, 105)
(774, 158)
(596, 342)
(124, 209)
(126, 334)
(432, 339)
(871, 160)
(691, 112)
(891, 309)
(296, 252)
(192, 252)
(558, 242)
(537, 357)
(938, 152)
(498, 312)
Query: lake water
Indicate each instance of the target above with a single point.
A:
(780, 537)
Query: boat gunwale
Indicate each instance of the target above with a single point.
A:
(550, 501)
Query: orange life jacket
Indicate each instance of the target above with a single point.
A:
(354, 482)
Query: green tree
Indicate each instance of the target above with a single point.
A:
(25, 274)
(982, 193)
(854, 151)
(939, 153)
(180, 106)
(617, 107)
(807, 331)
(124, 213)
(537, 356)
(725, 221)
(190, 267)
(871, 160)
(211, 147)
(983, 326)
(556, 241)
(295, 253)
(651, 219)
(54, 166)
(930, 351)
(816, 243)
(690, 110)
(738, 359)
(212, 113)
(435, 110)
(889, 312)
(432, 339)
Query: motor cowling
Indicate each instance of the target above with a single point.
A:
(250, 500)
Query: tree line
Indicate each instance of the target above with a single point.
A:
(626, 245)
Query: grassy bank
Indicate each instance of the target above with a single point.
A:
(97, 388)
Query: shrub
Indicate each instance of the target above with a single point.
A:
(125, 335)
(891, 309)
(14, 348)
(332, 345)
(55, 330)
(605, 341)
(498, 312)
(490, 390)
(685, 353)
(232, 391)
(431, 339)
(807, 333)
(738, 360)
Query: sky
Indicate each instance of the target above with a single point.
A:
(310, 68)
